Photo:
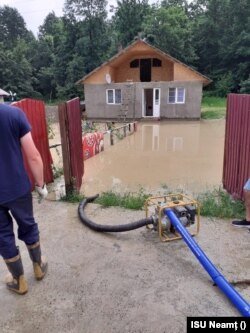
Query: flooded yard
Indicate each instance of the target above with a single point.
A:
(160, 156)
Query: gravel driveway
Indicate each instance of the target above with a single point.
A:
(126, 282)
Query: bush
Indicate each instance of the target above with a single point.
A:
(224, 84)
(245, 86)
(218, 203)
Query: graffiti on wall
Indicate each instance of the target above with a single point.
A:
(92, 143)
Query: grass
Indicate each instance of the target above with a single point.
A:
(72, 197)
(213, 107)
(212, 101)
(218, 203)
(215, 203)
(127, 200)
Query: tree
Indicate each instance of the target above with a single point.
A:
(16, 42)
(222, 40)
(42, 61)
(235, 41)
(197, 8)
(50, 37)
(208, 32)
(169, 29)
(245, 86)
(12, 26)
(89, 16)
(174, 3)
(224, 84)
(128, 19)
(53, 29)
(16, 71)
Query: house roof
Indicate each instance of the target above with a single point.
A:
(3, 93)
(120, 55)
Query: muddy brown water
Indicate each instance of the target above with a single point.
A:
(168, 155)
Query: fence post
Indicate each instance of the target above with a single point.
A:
(71, 136)
(64, 130)
(111, 138)
(124, 130)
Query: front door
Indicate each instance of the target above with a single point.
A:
(156, 103)
(151, 102)
(148, 102)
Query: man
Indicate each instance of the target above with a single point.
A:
(16, 198)
(246, 222)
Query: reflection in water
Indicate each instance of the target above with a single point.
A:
(172, 155)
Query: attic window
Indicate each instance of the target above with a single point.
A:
(156, 62)
(134, 63)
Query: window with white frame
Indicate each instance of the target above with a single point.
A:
(176, 95)
(113, 96)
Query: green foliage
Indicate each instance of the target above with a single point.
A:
(245, 86)
(72, 197)
(212, 101)
(127, 200)
(211, 36)
(88, 19)
(174, 3)
(88, 127)
(222, 41)
(170, 30)
(16, 70)
(213, 114)
(57, 173)
(224, 84)
(52, 30)
(213, 107)
(218, 203)
(215, 203)
(12, 26)
(128, 18)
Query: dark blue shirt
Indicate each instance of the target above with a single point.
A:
(14, 181)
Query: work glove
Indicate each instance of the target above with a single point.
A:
(42, 192)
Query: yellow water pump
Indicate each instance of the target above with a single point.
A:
(187, 210)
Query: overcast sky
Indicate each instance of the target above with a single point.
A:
(35, 11)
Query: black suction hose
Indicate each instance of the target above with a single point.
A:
(108, 228)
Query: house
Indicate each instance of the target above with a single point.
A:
(2, 95)
(141, 81)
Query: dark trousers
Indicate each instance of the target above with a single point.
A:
(22, 211)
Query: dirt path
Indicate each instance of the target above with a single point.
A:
(118, 283)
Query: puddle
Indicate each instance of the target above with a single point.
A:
(161, 156)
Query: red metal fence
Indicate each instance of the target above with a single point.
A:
(236, 167)
(71, 136)
(35, 112)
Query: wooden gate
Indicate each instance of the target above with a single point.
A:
(236, 167)
(71, 137)
(35, 112)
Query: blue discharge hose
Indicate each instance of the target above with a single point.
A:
(219, 280)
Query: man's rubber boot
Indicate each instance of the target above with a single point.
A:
(17, 282)
(39, 264)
